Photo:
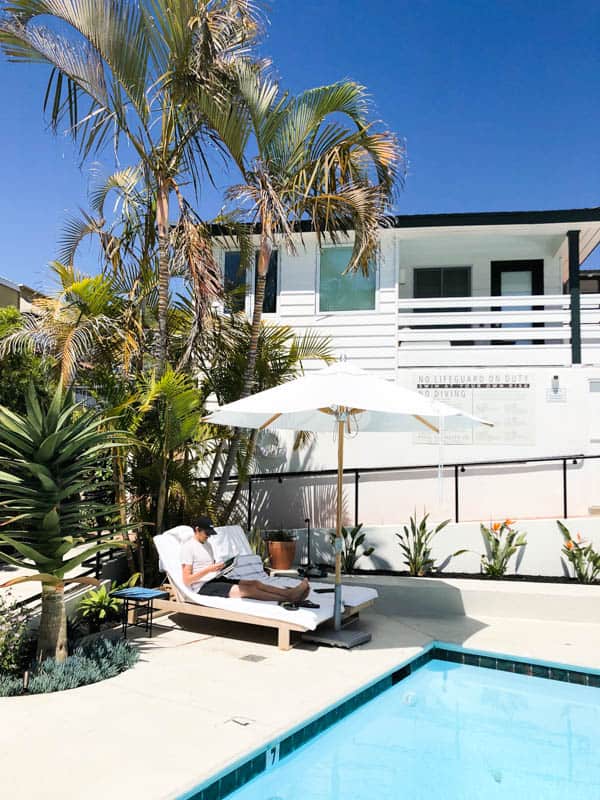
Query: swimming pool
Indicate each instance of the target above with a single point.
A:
(430, 728)
(454, 731)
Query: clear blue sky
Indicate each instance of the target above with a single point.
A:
(499, 103)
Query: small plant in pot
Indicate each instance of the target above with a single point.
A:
(282, 549)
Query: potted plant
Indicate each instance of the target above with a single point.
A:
(282, 549)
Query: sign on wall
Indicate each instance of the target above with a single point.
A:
(504, 398)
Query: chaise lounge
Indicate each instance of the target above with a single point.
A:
(231, 540)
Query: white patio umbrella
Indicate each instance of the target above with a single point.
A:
(345, 399)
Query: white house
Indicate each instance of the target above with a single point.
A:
(488, 311)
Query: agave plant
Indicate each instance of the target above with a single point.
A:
(49, 460)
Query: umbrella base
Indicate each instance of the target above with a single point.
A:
(344, 638)
(312, 571)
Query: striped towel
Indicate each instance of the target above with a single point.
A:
(247, 567)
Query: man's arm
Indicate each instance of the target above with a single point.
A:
(190, 577)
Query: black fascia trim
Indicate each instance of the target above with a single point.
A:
(458, 220)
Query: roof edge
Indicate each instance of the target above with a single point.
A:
(459, 219)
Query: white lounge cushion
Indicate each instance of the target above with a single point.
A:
(169, 551)
(230, 541)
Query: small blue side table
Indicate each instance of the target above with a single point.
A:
(142, 600)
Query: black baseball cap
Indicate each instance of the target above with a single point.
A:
(205, 524)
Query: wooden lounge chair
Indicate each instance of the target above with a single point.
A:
(231, 540)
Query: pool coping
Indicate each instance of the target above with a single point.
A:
(220, 785)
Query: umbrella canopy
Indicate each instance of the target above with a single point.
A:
(344, 398)
(309, 402)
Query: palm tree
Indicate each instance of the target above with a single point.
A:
(221, 356)
(314, 157)
(170, 407)
(49, 458)
(159, 74)
(81, 327)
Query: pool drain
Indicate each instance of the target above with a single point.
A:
(497, 775)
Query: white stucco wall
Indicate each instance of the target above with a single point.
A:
(541, 556)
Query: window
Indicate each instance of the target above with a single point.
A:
(270, 299)
(442, 282)
(339, 292)
(235, 283)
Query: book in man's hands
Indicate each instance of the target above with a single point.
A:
(228, 565)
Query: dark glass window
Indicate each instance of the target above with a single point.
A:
(235, 283)
(270, 300)
(442, 282)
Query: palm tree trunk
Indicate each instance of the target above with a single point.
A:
(161, 501)
(52, 638)
(121, 496)
(238, 487)
(264, 257)
(214, 467)
(162, 224)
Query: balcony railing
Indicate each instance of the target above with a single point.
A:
(533, 329)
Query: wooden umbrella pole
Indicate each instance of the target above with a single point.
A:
(337, 611)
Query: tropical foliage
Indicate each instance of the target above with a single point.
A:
(581, 555)
(353, 547)
(416, 542)
(502, 541)
(145, 339)
(14, 635)
(316, 158)
(99, 606)
(19, 369)
(160, 76)
(49, 461)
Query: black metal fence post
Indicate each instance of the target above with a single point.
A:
(249, 504)
(456, 493)
(97, 561)
(356, 484)
(564, 471)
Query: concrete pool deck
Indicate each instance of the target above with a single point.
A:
(177, 717)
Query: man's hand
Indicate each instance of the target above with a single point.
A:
(217, 567)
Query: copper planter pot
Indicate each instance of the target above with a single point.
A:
(282, 554)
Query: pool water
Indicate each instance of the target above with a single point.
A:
(452, 732)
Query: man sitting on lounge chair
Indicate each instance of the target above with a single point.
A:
(199, 567)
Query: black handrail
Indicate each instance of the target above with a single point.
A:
(459, 467)
(94, 571)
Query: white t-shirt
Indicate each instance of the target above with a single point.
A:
(199, 556)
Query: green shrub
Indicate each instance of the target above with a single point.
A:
(416, 544)
(99, 606)
(10, 686)
(352, 547)
(581, 555)
(90, 663)
(14, 636)
(258, 545)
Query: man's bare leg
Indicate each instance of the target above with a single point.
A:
(255, 590)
